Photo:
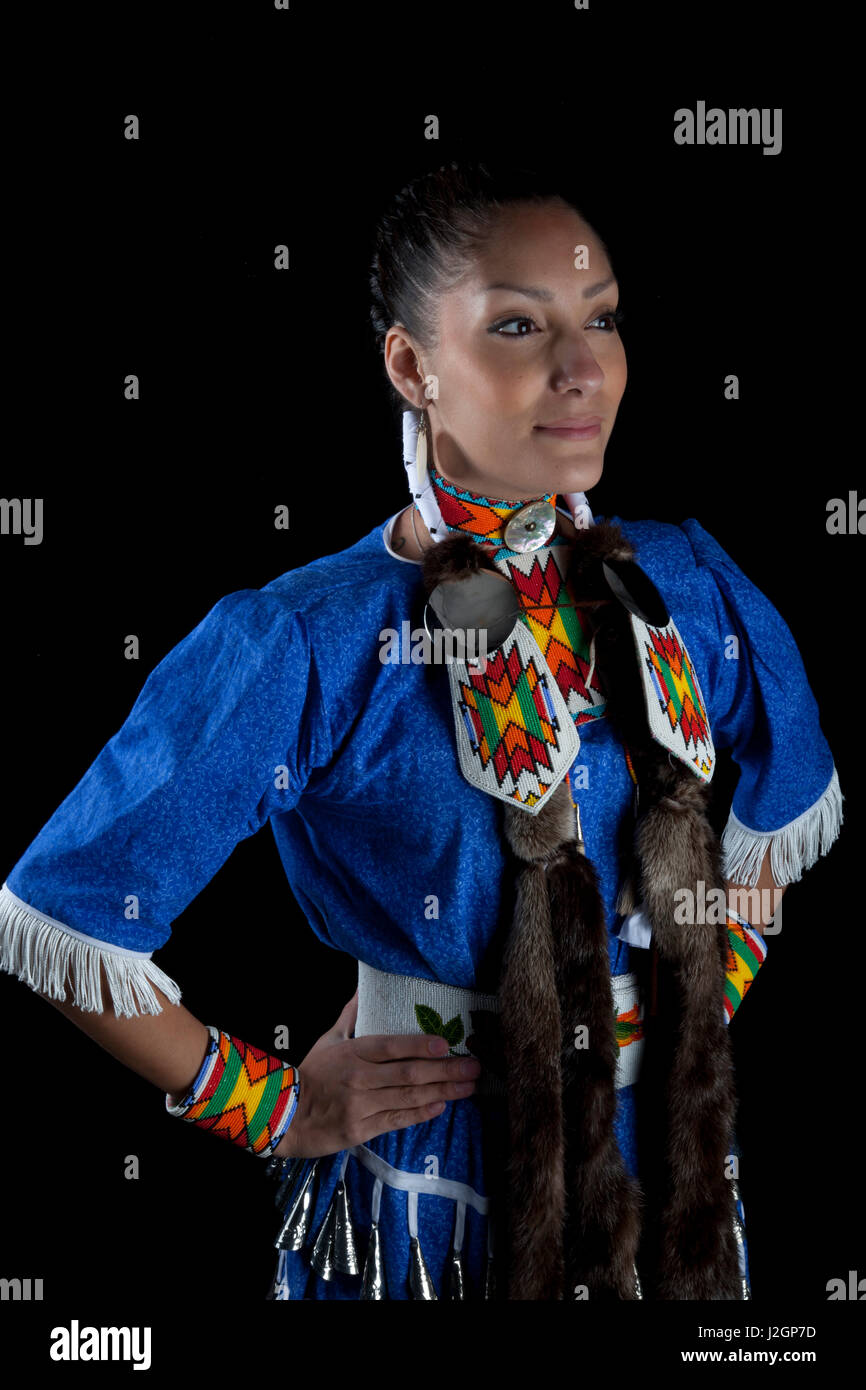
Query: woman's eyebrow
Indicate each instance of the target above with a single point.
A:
(534, 292)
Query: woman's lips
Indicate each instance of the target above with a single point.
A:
(577, 429)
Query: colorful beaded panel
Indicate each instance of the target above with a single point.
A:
(677, 713)
(515, 737)
(747, 951)
(241, 1094)
(559, 626)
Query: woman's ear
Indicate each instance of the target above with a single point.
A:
(402, 365)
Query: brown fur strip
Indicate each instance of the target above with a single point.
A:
(677, 849)
(531, 1032)
(603, 1216)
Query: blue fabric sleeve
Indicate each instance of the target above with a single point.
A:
(224, 733)
(762, 708)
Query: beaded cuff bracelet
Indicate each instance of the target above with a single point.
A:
(241, 1094)
(747, 951)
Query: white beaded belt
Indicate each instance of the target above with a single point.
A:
(389, 1003)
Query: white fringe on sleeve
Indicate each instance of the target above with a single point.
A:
(40, 951)
(793, 848)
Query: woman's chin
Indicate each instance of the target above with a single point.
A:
(577, 479)
(576, 473)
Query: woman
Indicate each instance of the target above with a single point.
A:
(531, 1095)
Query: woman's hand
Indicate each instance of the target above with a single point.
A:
(355, 1088)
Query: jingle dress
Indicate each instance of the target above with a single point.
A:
(279, 707)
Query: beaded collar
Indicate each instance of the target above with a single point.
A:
(486, 519)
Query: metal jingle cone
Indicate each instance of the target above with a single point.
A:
(279, 1290)
(638, 1291)
(297, 1223)
(420, 1283)
(322, 1257)
(287, 1179)
(373, 1282)
(345, 1258)
(456, 1277)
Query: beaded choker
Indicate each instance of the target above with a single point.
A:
(512, 526)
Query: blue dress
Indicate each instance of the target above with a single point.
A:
(277, 709)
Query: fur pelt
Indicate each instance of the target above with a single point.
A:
(576, 1219)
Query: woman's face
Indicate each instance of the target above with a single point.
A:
(511, 361)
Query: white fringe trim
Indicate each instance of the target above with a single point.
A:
(793, 848)
(40, 950)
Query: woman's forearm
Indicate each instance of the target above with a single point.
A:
(759, 903)
(166, 1048)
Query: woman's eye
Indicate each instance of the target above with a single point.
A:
(501, 325)
(614, 316)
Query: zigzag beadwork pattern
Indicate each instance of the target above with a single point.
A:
(241, 1094)
(558, 625)
(684, 726)
(747, 951)
(511, 722)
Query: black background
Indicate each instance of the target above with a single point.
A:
(261, 388)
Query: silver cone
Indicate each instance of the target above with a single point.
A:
(279, 1290)
(322, 1257)
(345, 1259)
(373, 1282)
(297, 1223)
(638, 1291)
(287, 1179)
(456, 1277)
(420, 1283)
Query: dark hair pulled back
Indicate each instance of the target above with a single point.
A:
(426, 239)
